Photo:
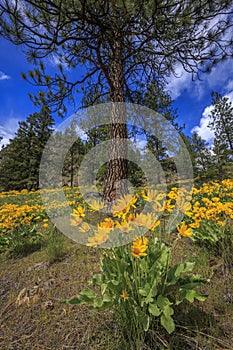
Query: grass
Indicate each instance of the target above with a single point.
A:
(38, 275)
(51, 275)
(56, 247)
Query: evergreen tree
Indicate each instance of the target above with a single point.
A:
(203, 159)
(75, 153)
(118, 42)
(157, 99)
(222, 122)
(21, 159)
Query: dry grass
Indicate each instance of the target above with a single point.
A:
(33, 316)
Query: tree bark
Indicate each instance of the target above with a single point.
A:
(116, 176)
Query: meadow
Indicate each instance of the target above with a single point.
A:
(168, 288)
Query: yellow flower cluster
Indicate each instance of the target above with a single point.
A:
(213, 201)
(124, 218)
(13, 216)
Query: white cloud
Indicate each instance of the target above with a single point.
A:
(7, 130)
(4, 76)
(202, 129)
(229, 85)
(140, 144)
(230, 95)
(218, 77)
(179, 83)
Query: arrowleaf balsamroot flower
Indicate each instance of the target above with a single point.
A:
(184, 230)
(100, 236)
(139, 247)
(77, 216)
(124, 295)
(148, 220)
(123, 206)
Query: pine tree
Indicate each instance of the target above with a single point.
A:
(203, 160)
(118, 42)
(222, 121)
(21, 159)
(75, 154)
(156, 98)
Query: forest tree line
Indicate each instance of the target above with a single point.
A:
(20, 159)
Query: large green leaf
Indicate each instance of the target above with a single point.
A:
(168, 311)
(192, 294)
(102, 304)
(97, 279)
(163, 302)
(103, 288)
(85, 296)
(167, 323)
(143, 318)
(175, 271)
(154, 310)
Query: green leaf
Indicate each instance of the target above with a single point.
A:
(154, 310)
(144, 291)
(192, 294)
(192, 285)
(96, 279)
(85, 296)
(114, 282)
(168, 311)
(145, 322)
(107, 299)
(98, 303)
(143, 318)
(103, 288)
(167, 323)
(149, 295)
(74, 301)
(175, 271)
(87, 293)
(102, 304)
(163, 302)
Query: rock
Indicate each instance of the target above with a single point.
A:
(48, 305)
(39, 266)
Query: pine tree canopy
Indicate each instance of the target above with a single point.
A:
(116, 42)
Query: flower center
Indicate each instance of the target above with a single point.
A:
(136, 251)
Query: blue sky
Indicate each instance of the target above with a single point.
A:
(192, 99)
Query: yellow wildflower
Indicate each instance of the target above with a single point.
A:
(96, 205)
(124, 295)
(124, 226)
(184, 230)
(168, 206)
(172, 195)
(195, 224)
(108, 223)
(123, 206)
(84, 227)
(77, 216)
(153, 196)
(76, 220)
(79, 211)
(148, 220)
(139, 247)
(221, 223)
(98, 238)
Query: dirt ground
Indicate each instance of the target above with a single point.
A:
(33, 316)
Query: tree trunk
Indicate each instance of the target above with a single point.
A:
(72, 169)
(116, 176)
